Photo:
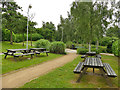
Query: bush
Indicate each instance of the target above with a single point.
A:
(19, 38)
(6, 35)
(116, 48)
(57, 47)
(70, 44)
(82, 51)
(95, 50)
(35, 37)
(102, 49)
(42, 43)
(105, 41)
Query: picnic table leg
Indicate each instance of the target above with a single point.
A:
(5, 56)
(93, 70)
(47, 54)
(31, 56)
(106, 77)
(81, 74)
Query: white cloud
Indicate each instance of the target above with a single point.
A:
(46, 10)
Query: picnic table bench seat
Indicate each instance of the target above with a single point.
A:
(78, 67)
(24, 54)
(83, 56)
(7, 53)
(99, 56)
(110, 72)
(38, 52)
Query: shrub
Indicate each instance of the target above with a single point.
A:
(102, 49)
(95, 50)
(116, 48)
(105, 41)
(57, 47)
(19, 38)
(42, 43)
(82, 51)
(6, 35)
(35, 37)
(70, 44)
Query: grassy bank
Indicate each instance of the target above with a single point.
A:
(63, 77)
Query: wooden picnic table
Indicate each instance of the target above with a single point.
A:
(94, 62)
(13, 51)
(39, 50)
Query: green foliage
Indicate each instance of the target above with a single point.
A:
(105, 41)
(82, 50)
(112, 31)
(57, 47)
(35, 36)
(19, 38)
(46, 33)
(95, 50)
(102, 49)
(115, 48)
(6, 35)
(70, 44)
(42, 43)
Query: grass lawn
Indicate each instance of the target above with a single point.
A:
(10, 64)
(63, 77)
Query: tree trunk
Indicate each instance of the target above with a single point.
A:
(11, 42)
(90, 46)
(97, 45)
(23, 39)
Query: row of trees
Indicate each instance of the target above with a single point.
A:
(88, 21)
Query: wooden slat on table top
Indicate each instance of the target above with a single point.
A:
(17, 49)
(90, 61)
(37, 48)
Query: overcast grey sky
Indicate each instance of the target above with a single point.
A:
(46, 10)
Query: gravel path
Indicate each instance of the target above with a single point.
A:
(107, 54)
(19, 78)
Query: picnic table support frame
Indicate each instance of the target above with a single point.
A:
(81, 74)
(106, 77)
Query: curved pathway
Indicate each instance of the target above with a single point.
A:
(21, 77)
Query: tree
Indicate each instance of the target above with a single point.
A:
(10, 14)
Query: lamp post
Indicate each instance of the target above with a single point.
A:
(29, 7)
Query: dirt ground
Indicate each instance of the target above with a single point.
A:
(19, 78)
